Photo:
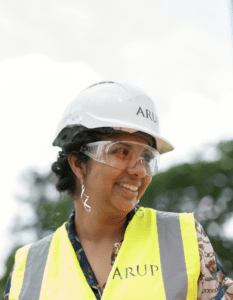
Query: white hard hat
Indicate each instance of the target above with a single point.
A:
(111, 104)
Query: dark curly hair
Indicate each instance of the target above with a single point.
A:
(66, 180)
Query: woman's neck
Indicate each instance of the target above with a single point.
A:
(98, 225)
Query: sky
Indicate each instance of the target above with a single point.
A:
(179, 52)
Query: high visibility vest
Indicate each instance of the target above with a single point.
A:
(158, 259)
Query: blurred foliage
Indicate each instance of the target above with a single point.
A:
(202, 187)
(50, 210)
(43, 211)
(205, 188)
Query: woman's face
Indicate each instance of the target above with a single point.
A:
(111, 188)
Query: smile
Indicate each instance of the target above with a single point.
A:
(132, 188)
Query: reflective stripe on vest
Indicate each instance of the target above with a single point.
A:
(166, 266)
(172, 256)
(34, 270)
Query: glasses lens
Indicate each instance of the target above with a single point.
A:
(152, 166)
(149, 159)
(126, 155)
(120, 155)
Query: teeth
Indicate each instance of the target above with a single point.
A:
(129, 186)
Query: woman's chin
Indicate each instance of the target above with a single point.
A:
(125, 205)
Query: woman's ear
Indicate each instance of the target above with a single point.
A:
(78, 168)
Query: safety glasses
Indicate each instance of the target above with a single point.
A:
(123, 154)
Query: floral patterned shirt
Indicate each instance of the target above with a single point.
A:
(212, 283)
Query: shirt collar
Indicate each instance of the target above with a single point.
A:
(70, 224)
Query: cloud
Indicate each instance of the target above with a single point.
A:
(34, 93)
(165, 47)
(90, 30)
(194, 122)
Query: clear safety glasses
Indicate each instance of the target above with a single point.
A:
(123, 154)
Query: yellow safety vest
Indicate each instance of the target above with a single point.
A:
(158, 259)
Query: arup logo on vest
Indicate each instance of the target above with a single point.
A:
(148, 270)
(147, 114)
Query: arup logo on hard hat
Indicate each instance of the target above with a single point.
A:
(148, 114)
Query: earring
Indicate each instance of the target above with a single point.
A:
(142, 211)
(84, 197)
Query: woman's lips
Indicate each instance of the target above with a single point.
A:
(128, 190)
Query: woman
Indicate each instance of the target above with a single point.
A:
(110, 248)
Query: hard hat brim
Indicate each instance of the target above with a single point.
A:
(68, 133)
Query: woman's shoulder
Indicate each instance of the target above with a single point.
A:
(41, 243)
(167, 214)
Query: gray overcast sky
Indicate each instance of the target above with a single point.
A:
(166, 47)
(179, 52)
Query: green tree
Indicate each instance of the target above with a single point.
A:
(205, 188)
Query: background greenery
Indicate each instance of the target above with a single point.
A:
(203, 187)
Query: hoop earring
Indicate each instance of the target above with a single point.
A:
(84, 197)
(142, 210)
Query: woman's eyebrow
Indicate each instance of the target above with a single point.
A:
(148, 149)
(123, 143)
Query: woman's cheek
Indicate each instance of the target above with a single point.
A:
(145, 185)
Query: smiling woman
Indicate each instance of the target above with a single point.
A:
(110, 248)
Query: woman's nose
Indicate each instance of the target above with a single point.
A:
(138, 169)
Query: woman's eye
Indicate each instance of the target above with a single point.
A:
(148, 157)
(121, 152)
(125, 151)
